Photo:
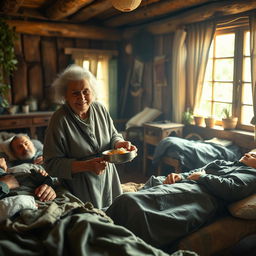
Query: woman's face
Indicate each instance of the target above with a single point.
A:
(249, 159)
(79, 96)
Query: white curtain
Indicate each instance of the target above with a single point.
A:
(199, 38)
(252, 21)
(178, 76)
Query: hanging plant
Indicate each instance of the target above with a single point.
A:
(8, 60)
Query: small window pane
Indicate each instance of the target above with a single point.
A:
(246, 115)
(218, 109)
(225, 45)
(224, 70)
(247, 94)
(223, 92)
(247, 70)
(247, 44)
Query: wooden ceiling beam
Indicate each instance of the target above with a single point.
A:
(7, 6)
(65, 30)
(64, 8)
(153, 11)
(211, 11)
(92, 10)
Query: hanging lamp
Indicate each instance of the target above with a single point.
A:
(125, 5)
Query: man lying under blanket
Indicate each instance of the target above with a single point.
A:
(63, 226)
(168, 208)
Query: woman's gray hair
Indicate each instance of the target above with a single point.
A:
(73, 73)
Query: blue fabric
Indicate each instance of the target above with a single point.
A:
(194, 154)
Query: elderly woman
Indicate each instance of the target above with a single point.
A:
(78, 132)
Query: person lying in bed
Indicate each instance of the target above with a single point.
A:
(168, 208)
(19, 182)
(21, 149)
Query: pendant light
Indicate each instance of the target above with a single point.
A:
(125, 5)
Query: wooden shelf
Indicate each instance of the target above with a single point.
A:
(30, 121)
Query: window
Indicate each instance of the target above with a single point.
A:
(102, 78)
(227, 81)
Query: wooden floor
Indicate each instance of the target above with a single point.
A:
(130, 172)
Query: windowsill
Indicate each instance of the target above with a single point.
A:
(244, 139)
(235, 131)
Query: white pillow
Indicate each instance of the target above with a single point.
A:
(13, 204)
(5, 148)
(245, 208)
(146, 115)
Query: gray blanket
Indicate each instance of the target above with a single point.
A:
(67, 226)
(161, 214)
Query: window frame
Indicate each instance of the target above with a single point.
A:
(239, 30)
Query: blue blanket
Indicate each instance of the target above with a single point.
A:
(194, 154)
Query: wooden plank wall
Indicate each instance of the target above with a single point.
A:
(40, 59)
(151, 96)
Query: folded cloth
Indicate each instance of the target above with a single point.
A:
(9, 206)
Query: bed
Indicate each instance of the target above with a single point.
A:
(223, 234)
(184, 154)
(67, 226)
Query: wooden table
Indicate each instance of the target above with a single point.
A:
(153, 134)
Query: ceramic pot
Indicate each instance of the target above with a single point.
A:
(199, 120)
(209, 122)
(229, 123)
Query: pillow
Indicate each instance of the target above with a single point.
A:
(5, 148)
(13, 204)
(146, 115)
(245, 208)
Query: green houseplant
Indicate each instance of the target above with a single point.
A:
(8, 60)
(228, 121)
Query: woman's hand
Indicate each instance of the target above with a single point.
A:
(196, 175)
(125, 144)
(96, 165)
(172, 178)
(45, 193)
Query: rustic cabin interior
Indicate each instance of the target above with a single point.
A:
(167, 70)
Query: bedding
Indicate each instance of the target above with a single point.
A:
(67, 226)
(194, 154)
(162, 214)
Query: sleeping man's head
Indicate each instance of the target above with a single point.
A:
(249, 159)
(22, 147)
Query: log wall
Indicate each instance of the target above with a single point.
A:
(40, 59)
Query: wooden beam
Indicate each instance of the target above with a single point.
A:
(211, 11)
(65, 30)
(153, 11)
(7, 6)
(65, 8)
(92, 10)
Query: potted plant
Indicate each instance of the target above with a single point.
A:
(187, 117)
(228, 121)
(8, 60)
